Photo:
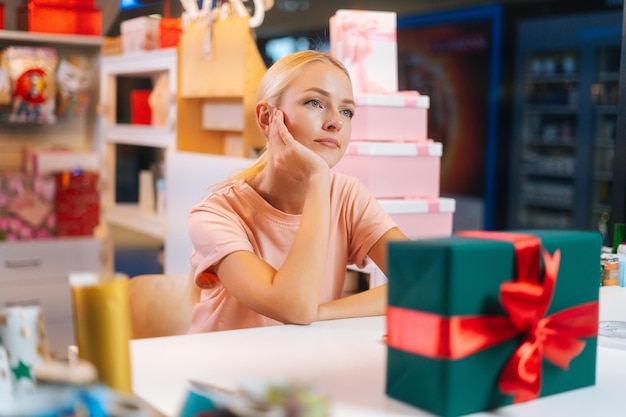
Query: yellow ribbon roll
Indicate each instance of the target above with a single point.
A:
(103, 327)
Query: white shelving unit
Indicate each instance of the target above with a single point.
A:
(149, 64)
(38, 270)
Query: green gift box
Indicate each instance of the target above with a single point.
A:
(482, 320)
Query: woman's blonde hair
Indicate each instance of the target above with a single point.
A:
(271, 88)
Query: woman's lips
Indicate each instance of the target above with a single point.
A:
(329, 143)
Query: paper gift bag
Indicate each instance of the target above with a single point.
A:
(515, 314)
(77, 203)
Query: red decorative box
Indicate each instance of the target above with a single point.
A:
(56, 19)
(77, 203)
(140, 112)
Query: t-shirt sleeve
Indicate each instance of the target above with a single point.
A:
(366, 220)
(215, 231)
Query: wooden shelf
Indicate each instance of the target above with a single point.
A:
(50, 39)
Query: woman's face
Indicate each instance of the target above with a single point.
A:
(318, 108)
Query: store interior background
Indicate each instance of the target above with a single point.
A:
(488, 202)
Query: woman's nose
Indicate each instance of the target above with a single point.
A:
(333, 121)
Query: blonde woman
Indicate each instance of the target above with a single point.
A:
(271, 245)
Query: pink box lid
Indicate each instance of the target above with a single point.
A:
(421, 148)
(418, 205)
(406, 99)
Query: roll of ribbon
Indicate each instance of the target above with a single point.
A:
(102, 324)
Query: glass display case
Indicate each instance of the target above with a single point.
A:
(564, 117)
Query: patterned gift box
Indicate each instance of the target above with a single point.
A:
(77, 203)
(422, 218)
(394, 170)
(401, 116)
(26, 206)
(514, 313)
(365, 42)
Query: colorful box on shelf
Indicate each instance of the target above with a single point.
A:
(26, 206)
(393, 169)
(35, 17)
(74, 4)
(402, 116)
(422, 218)
(50, 161)
(140, 34)
(514, 313)
(140, 111)
(366, 43)
(77, 202)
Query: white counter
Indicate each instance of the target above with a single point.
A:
(347, 360)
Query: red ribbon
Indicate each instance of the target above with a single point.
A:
(526, 301)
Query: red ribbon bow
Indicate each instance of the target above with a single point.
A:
(526, 301)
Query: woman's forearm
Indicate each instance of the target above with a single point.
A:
(300, 276)
(367, 303)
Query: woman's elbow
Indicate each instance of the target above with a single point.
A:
(302, 315)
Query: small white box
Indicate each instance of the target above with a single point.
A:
(140, 34)
(222, 115)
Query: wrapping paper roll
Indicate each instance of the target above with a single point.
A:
(102, 324)
(23, 335)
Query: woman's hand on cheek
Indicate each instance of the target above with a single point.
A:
(290, 156)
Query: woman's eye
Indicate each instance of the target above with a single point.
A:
(348, 113)
(314, 103)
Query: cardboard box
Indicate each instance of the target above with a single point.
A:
(56, 19)
(395, 170)
(140, 34)
(366, 43)
(391, 117)
(422, 218)
(463, 310)
(111, 45)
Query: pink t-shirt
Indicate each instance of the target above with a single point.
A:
(237, 218)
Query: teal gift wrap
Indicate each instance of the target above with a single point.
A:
(481, 320)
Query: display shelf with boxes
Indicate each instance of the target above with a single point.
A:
(565, 112)
(34, 267)
(133, 126)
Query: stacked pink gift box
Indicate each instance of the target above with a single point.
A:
(390, 151)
